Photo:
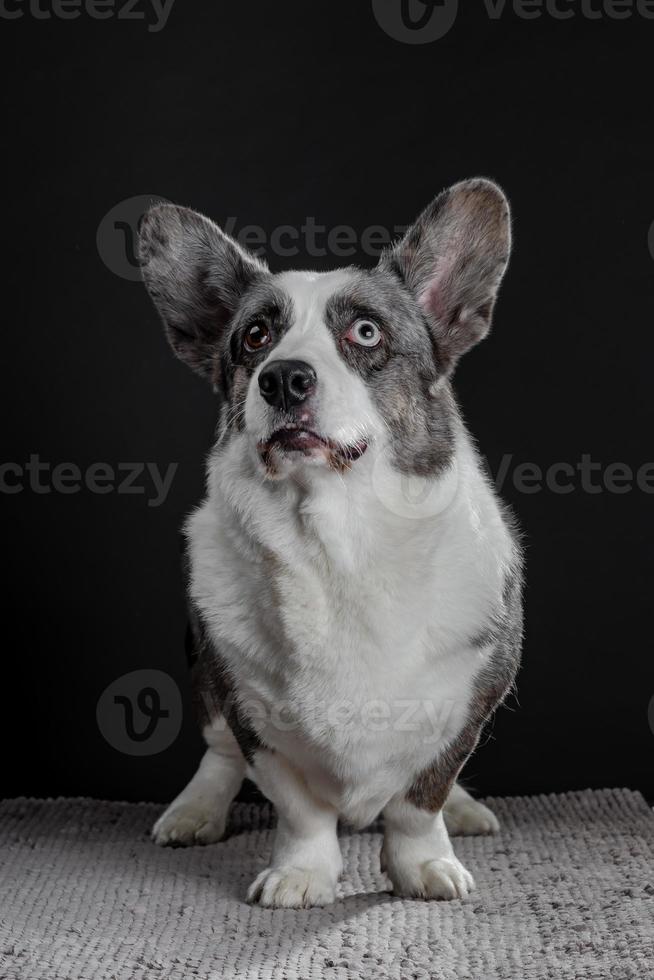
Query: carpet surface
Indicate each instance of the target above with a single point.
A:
(564, 892)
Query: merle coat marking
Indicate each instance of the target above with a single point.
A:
(350, 567)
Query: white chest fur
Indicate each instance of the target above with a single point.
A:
(345, 612)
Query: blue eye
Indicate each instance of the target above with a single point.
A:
(365, 333)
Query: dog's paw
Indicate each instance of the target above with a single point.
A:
(189, 823)
(292, 888)
(443, 878)
(467, 817)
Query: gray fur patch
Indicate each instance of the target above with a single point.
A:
(214, 692)
(264, 302)
(431, 787)
(506, 621)
(402, 373)
(196, 276)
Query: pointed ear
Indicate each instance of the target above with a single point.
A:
(453, 259)
(196, 276)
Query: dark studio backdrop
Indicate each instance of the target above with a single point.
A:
(319, 128)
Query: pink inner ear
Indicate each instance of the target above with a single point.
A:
(433, 299)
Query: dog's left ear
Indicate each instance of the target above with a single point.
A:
(453, 259)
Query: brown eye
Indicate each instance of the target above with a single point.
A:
(256, 336)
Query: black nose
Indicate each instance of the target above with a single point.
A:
(286, 383)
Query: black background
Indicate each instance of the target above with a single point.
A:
(272, 112)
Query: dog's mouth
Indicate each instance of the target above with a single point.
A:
(298, 439)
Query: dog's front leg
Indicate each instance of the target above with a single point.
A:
(199, 814)
(418, 856)
(417, 853)
(306, 859)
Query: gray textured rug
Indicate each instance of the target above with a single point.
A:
(565, 892)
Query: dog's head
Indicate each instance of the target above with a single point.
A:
(313, 369)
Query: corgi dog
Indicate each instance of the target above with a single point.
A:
(354, 584)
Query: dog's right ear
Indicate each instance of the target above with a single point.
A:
(453, 259)
(196, 276)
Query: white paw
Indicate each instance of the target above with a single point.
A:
(291, 888)
(190, 823)
(444, 878)
(468, 817)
